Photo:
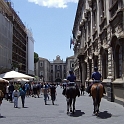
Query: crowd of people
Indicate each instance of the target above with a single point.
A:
(35, 89)
(29, 89)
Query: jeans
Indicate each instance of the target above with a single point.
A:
(23, 100)
(45, 97)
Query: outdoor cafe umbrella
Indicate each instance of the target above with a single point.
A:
(19, 80)
(22, 80)
(3, 80)
(15, 75)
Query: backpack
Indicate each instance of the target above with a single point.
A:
(1, 94)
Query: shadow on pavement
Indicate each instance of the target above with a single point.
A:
(25, 107)
(77, 113)
(52, 104)
(104, 115)
(2, 117)
(22, 107)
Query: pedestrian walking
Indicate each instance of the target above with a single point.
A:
(27, 88)
(53, 93)
(38, 89)
(1, 98)
(11, 89)
(34, 89)
(15, 96)
(7, 91)
(22, 94)
(45, 91)
(82, 89)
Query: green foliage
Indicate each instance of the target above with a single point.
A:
(36, 57)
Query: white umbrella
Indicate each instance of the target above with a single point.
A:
(3, 80)
(22, 79)
(15, 75)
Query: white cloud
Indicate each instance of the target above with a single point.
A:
(53, 3)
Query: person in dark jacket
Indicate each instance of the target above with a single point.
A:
(53, 92)
(10, 89)
(22, 94)
(97, 78)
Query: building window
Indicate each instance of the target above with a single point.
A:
(41, 64)
(64, 75)
(51, 66)
(64, 67)
(72, 65)
(89, 25)
(94, 15)
(41, 73)
(118, 61)
(58, 67)
(104, 64)
(102, 10)
(57, 74)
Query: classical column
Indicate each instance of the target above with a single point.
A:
(110, 63)
(99, 63)
(92, 65)
(88, 74)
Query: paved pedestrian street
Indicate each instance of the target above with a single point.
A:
(36, 112)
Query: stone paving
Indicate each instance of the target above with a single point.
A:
(36, 112)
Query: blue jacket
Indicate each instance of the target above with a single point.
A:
(71, 78)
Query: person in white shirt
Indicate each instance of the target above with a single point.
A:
(7, 91)
(15, 96)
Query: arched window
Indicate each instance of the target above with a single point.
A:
(102, 10)
(90, 69)
(94, 9)
(118, 62)
(89, 24)
(105, 65)
(96, 61)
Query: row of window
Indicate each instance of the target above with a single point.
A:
(58, 66)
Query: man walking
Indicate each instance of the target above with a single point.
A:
(53, 93)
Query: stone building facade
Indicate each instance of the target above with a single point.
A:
(54, 71)
(98, 35)
(69, 64)
(15, 41)
(6, 38)
(42, 69)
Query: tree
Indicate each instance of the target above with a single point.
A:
(36, 57)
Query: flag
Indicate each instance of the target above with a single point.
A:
(71, 42)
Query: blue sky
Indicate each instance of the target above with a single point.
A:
(51, 22)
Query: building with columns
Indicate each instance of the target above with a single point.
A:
(54, 71)
(98, 35)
